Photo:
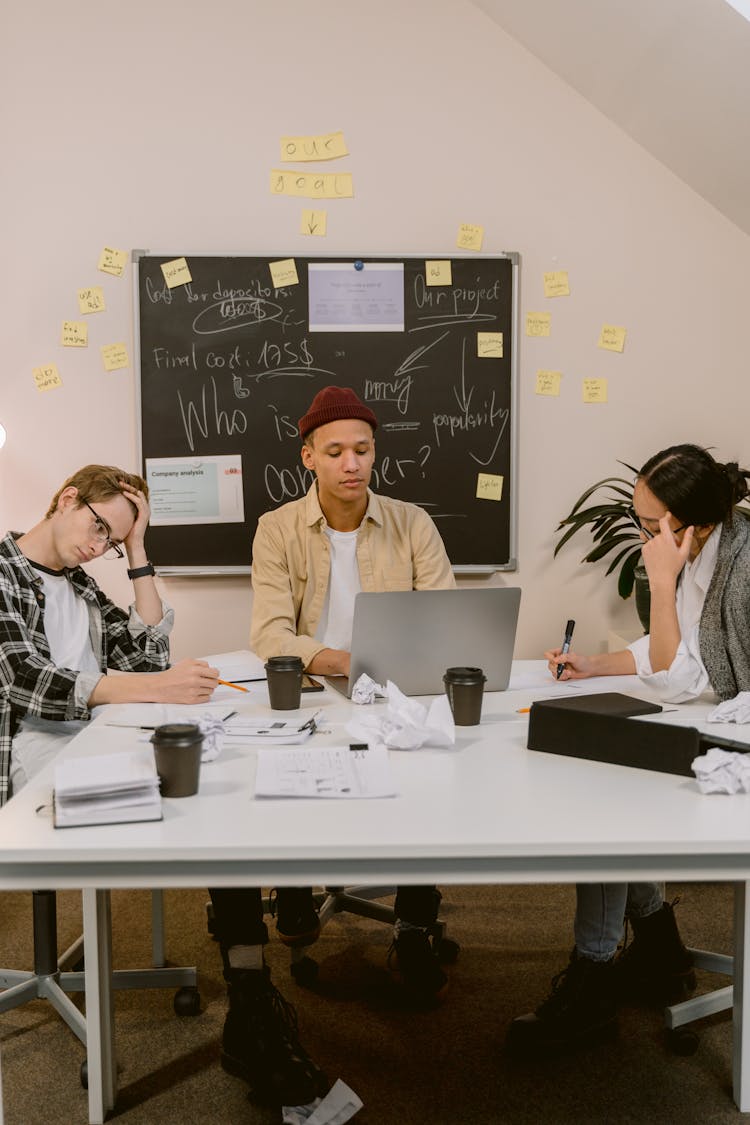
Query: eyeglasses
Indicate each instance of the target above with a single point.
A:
(646, 531)
(102, 532)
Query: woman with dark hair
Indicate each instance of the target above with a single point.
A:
(696, 551)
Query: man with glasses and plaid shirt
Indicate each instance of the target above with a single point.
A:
(59, 634)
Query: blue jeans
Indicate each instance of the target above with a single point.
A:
(601, 910)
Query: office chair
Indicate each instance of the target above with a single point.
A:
(52, 977)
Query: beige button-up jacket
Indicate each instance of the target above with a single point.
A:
(398, 548)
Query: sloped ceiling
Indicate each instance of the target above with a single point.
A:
(674, 74)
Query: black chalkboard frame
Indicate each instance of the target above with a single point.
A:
(178, 557)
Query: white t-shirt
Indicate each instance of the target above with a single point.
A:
(686, 678)
(66, 623)
(335, 625)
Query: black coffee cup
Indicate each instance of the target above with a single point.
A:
(177, 752)
(284, 674)
(465, 688)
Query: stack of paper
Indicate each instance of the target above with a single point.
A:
(107, 789)
(239, 730)
(330, 772)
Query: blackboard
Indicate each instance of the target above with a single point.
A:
(228, 364)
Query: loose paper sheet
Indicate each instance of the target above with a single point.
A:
(326, 772)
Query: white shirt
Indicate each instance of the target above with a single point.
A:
(335, 625)
(686, 678)
(66, 623)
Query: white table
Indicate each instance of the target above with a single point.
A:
(487, 811)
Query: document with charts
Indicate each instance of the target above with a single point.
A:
(325, 772)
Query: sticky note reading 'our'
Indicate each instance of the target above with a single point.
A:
(469, 237)
(313, 222)
(75, 334)
(47, 377)
(112, 261)
(327, 146)
(612, 338)
(490, 345)
(548, 382)
(556, 284)
(177, 272)
(489, 486)
(594, 390)
(538, 324)
(438, 273)
(91, 300)
(115, 356)
(283, 273)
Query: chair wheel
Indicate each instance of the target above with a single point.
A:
(447, 951)
(84, 1073)
(187, 1001)
(682, 1041)
(305, 971)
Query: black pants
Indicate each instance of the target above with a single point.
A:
(238, 912)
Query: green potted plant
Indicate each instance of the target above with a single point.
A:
(613, 527)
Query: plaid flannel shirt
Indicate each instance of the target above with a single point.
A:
(30, 684)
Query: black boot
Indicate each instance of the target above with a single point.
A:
(260, 1043)
(413, 962)
(580, 1009)
(655, 967)
(297, 920)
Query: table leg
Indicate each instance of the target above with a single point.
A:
(740, 1031)
(100, 1028)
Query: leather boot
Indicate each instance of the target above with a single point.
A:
(261, 1046)
(655, 967)
(580, 1009)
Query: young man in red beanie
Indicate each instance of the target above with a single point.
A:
(311, 557)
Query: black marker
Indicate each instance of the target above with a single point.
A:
(566, 645)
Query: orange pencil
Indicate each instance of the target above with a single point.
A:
(520, 711)
(236, 687)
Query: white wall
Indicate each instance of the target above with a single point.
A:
(155, 124)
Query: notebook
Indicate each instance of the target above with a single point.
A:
(412, 636)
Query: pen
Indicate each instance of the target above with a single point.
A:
(566, 645)
(236, 687)
(311, 722)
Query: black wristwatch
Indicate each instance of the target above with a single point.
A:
(142, 571)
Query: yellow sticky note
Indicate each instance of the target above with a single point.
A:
(313, 222)
(176, 272)
(91, 300)
(438, 272)
(112, 261)
(556, 284)
(47, 377)
(612, 338)
(489, 486)
(470, 237)
(312, 185)
(548, 382)
(490, 345)
(594, 390)
(283, 273)
(115, 356)
(538, 324)
(325, 146)
(75, 334)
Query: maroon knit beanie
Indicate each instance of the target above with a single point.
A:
(330, 405)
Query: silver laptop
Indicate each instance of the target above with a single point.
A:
(412, 636)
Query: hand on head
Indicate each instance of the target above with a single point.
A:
(663, 556)
(143, 514)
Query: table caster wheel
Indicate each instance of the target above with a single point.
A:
(305, 971)
(682, 1041)
(447, 951)
(187, 1001)
(84, 1073)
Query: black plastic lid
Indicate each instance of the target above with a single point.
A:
(177, 732)
(464, 675)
